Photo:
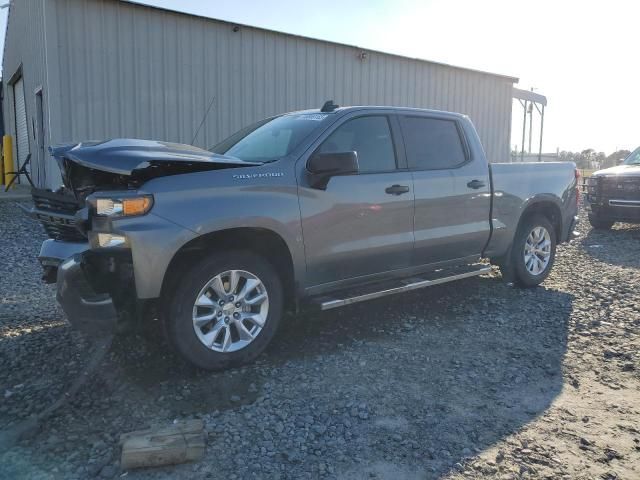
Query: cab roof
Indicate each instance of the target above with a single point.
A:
(344, 110)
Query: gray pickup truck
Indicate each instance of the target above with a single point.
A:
(613, 194)
(318, 208)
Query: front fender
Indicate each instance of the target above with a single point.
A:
(209, 202)
(153, 240)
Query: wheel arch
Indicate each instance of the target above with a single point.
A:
(261, 241)
(547, 207)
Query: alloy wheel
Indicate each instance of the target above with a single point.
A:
(537, 250)
(230, 311)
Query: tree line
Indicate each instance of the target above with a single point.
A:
(589, 158)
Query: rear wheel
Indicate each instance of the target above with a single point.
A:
(225, 310)
(600, 223)
(533, 251)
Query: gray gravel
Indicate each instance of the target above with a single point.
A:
(472, 379)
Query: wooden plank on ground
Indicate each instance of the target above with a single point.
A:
(153, 447)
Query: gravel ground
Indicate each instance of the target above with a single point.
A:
(467, 380)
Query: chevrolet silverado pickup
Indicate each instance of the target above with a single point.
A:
(317, 208)
(613, 194)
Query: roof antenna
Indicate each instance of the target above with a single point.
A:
(203, 119)
(329, 106)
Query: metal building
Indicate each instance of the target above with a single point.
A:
(93, 69)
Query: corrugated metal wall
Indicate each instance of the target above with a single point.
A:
(24, 55)
(121, 69)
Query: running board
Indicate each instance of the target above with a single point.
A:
(326, 303)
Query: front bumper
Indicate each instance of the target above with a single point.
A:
(615, 211)
(90, 312)
(54, 252)
(90, 286)
(614, 198)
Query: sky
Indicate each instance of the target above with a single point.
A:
(582, 55)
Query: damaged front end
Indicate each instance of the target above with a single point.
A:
(93, 217)
(95, 292)
(95, 285)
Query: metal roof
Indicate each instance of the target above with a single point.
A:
(530, 96)
(171, 10)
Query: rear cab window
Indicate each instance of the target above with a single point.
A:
(432, 143)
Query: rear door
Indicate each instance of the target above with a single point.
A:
(360, 225)
(452, 190)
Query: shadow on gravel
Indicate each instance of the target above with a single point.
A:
(618, 246)
(444, 373)
(452, 369)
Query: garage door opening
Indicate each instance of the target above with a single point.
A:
(21, 125)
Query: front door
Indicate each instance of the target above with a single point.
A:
(452, 190)
(360, 225)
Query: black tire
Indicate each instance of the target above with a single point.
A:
(600, 223)
(179, 309)
(518, 270)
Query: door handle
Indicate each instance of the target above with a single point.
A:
(397, 189)
(475, 184)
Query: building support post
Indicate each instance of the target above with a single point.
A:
(524, 129)
(541, 131)
(530, 126)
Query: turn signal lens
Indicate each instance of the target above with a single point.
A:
(136, 206)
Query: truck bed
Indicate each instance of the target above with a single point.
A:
(515, 185)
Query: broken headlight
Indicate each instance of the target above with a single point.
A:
(123, 206)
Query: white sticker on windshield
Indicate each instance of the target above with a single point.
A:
(316, 117)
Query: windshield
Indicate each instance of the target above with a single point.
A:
(269, 139)
(633, 158)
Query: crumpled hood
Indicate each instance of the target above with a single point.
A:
(620, 170)
(124, 156)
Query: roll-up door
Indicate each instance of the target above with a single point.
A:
(22, 129)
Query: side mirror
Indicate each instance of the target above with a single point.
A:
(323, 166)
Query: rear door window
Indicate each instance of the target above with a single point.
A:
(432, 143)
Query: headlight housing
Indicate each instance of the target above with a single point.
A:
(592, 188)
(108, 240)
(122, 205)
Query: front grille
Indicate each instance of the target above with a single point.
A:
(56, 213)
(621, 188)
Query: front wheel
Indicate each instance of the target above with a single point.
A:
(225, 310)
(533, 251)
